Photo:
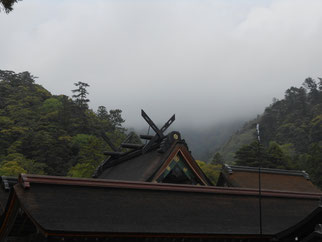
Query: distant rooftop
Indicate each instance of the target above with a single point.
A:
(272, 179)
(230, 169)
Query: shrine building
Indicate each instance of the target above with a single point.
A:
(157, 192)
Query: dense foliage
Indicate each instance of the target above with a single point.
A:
(218, 159)
(273, 156)
(242, 136)
(212, 171)
(42, 133)
(7, 5)
(291, 133)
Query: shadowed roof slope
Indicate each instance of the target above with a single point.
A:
(272, 179)
(137, 165)
(163, 158)
(6, 183)
(98, 207)
(308, 229)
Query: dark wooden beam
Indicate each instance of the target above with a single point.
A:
(113, 153)
(148, 137)
(109, 142)
(168, 123)
(131, 146)
(152, 124)
(159, 133)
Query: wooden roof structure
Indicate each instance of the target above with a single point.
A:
(6, 183)
(272, 179)
(308, 229)
(163, 159)
(156, 192)
(45, 208)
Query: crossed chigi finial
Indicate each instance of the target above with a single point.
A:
(159, 135)
(158, 132)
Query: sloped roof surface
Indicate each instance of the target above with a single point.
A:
(3, 199)
(97, 206)
(272, 179)
(138, 168)
(6, 183)
(309, 227)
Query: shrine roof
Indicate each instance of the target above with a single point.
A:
(273, 179)
(65, 206)
(137, 165)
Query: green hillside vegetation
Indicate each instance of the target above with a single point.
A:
(291, 133)
(41, 133)
(211, 170)
(241, 137)
(203, 141)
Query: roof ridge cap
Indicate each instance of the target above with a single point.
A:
(26, 181)
(231, 168)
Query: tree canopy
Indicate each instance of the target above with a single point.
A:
(218, 159)
(7, 5)
(291, 132)
(42, 133)
(212, 171)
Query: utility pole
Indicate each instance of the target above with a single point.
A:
(259, 181)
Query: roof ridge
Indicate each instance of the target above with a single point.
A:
(231, 168)
(25, 181)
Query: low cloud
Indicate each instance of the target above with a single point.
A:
(207, 61)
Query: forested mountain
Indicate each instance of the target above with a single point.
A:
(203, 141)
(291, 133)
(42, 133)
(241, 137)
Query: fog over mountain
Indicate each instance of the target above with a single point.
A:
(206, 61)
(203, 141)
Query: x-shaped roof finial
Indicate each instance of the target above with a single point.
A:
(158, 132)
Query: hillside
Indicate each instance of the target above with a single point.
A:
(41, 133)
(205, 140)
(291, 126)
(243, 136)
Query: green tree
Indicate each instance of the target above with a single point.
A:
(52, 104)
(115, 118)
(110, 120)
(11, 168)
(248, 155)
(313, 163)
(256, 154)
(29, 166)
(48, 134)
(81, 94)
(90, 155)
(217, 159)
(312, 87)
(295, 125)
(276, 157)
(134, 138)
(320, 84)
(102, 113)
(84, 170)
(7, 5)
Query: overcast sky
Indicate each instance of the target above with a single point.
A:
(204, 60)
